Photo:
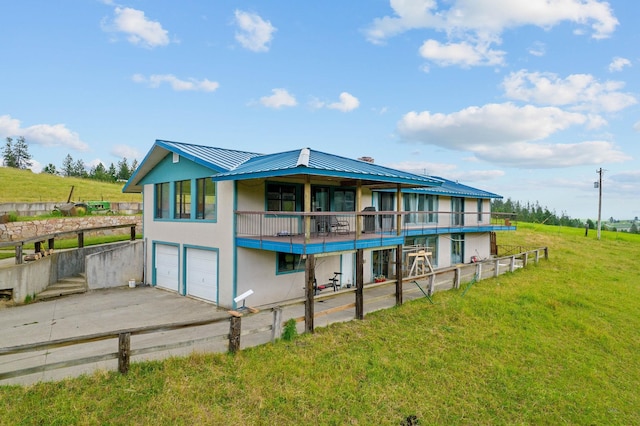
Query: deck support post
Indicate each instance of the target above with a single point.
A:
(309, 275)
(359, 284)
(399, 274)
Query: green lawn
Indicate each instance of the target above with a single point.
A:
(25, 186)
(556, 343)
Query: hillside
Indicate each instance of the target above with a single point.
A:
(26, 186)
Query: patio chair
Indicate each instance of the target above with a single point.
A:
(339, 226)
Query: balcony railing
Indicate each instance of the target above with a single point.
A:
(320, 227)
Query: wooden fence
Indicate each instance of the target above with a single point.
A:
(444, 278)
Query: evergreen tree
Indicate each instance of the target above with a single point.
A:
(8, 155)
(79, 169)
(50, 168)
(124, 173)
(113, 173)
(21, 154)
(67, 166)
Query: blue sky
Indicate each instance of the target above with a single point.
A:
(525, 98)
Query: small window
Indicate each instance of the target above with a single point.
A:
(183, 200)
(281, 197)
(162, 200)
(289, 262)
(205, 199)
(479, 209)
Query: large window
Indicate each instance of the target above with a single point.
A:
(424, 206)
(344, 200)
(427, 243)
(205, 199)
(281, 197)
(183, 200)
(289, 262)
(162, 200)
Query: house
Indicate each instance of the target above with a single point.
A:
(219, 222)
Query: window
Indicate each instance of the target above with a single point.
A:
(344, 200)
(425, 203)
(457, 248)
(480, 210)
(205, 199)
(183, 200)
(457, 211)
(162, 200)
(289, 262)
(281, 197)
(428, 242)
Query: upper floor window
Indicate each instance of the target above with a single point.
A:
(183, 199)
(480, 210)
(344, 200)
(424, 206)
(205, 199)
(457, 211)
(281, 197)
(162, 200)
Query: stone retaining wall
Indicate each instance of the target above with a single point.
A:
(16, 231)
(37, 209)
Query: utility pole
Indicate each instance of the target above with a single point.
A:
(599, 184)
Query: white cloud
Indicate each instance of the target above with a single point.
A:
(347, 103)
(280, 98)
(579, 91)
(473, 26)
(139, 29)
(254, 32)
(47, 135)
(538, 49)
(618, 63)
(464, 54)
(125, 151)
(546, 155)
(491, 124)
(447, 171)
(155, 80)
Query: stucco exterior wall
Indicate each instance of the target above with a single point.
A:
(100, 267)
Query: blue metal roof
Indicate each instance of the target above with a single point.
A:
(218, 159)
(308, 161)
(454, 189)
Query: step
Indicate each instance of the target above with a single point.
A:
(64, 287)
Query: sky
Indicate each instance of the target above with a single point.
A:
(524, 98)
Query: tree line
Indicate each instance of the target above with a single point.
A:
(535, 213)
(16, 154)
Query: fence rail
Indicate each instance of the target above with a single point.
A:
(38, 240)
(443, 279)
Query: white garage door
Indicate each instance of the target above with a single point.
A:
(167, 267)
(202, 274)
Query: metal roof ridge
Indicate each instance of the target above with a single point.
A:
(303, 158)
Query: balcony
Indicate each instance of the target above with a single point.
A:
(322, 232)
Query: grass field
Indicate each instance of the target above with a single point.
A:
(26, 186)
(556, 343)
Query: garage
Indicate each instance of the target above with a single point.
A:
(202, 273)
(167, 267)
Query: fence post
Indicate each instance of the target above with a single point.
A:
(456, 277)
(19, 253)
(512, 264)
(133, 232)
(276, 328)
(546, 253)
(478, 271)
(124, 348)
(537, 256)
(309, 275)
(51, 243)
(432, 282)
(525, 259)
(80, 239)
(399, 274)
(235, 326)
(359, 284)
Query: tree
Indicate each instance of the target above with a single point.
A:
(99, 172)
(124, 173)
(21, 154)
(79, 169)
(67, 166)
(8, 157)
(50, 168)
(112, 172)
